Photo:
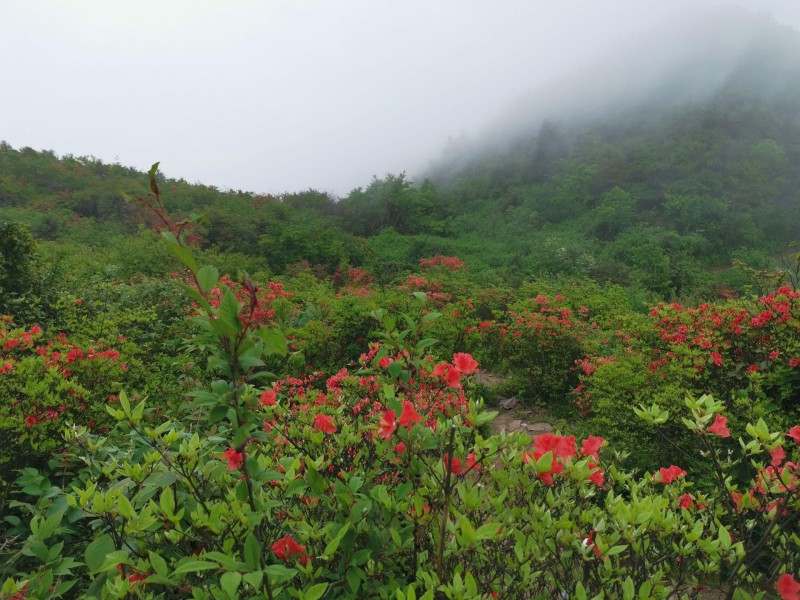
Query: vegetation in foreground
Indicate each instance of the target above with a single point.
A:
(228, 438)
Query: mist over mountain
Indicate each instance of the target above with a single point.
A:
(718, 59)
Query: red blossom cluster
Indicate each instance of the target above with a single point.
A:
(562, 449)
(731, 334)
(669, 474)
(286, 549)
(258, 301)
(450, 263)
(59, 357)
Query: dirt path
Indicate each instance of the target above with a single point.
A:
(513, 416)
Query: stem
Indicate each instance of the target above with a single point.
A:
(448, 478)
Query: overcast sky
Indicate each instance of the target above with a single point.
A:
(270, 96)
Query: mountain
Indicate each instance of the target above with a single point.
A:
(648, 169)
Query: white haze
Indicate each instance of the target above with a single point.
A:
(272, 96)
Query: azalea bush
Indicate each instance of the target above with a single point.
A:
(47, 382)
(538, 345)
(744, 352)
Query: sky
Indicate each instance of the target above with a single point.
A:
(276, 96)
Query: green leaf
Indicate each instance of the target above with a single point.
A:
(97, 551)
(254, 578)
(333, 545)
(279, 574)
(229, 308)
(196, 296)
(207, 277)
(178, 251)
(545, 463)
(193, 566)
(353, 577)
(252, 552)
(395, 368)
(628, 589)
(274, 341)
(427, 342)
(315, 592)
(153, 170)
(230, 582)
(159, 564)
(724, 538)
(167, 502)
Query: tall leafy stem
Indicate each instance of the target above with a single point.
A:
(237, 348)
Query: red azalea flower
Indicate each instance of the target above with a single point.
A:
(325, 424)
(400, 448)
(449, 373)
(286, 547)
(596, 476)
(788, 588)
(794, 433)
(454, 466)
(719, 427)
(384, 362)
(685, 501)
(409, 416)
(387, 424)
(669, 475)
(778, 456)
(234, 459)
(464, 363)
(268, 398)
(472, 463)
(591, 446)
(562, 447)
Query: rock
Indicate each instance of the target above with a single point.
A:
(509, 403)
(515, 425)
(538, 428)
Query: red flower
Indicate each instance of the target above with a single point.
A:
(788, 588)
(387, 425)
(685, 501)
(794, 362)
(596, 476)
(449, 373)
(671, 474)
(591, 446)
(325, 424)
(268, 398)
(472, 463)
(286, 547)
(562, 447)
(454, 466)
(794, 433)
(233, 457)
(719, 427)
(464, 363)
(409, 416)
(384, 362)
(716, 357)
(400, 448)
(778, 456)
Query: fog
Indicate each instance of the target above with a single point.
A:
(271, 96)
